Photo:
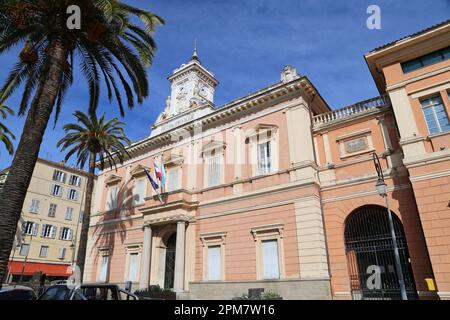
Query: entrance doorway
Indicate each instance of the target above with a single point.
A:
(169, 271)
(370, 255)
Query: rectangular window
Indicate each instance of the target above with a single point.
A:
(435, 115)
(30, 228)
(264, 163)
(75, 180)
(48, 231)
(426, 60)
(65, 233)
(103, 274)
(61, 253)
(24, 249)
(52, 210)
(271, 269)
(56, 190)
(34, 208)
(214, 263)
(59, 176)
(214, 167)
(44, 252)
(139, 191)
(112, 198)
(173, 179)
(69, 214)
(72, 194)
(132, 270)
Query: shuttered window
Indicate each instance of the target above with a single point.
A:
(48, 231)
(34, 208)
(59, 176)
(139, 191)
(69, 213)
(132, 270)
(173, 181)
(103, 268)
(61, 253)
(112, 198)
(24, 249)
(270, 257)
(56, 190)
(214, 170)
(44, 252)
(52, 210)
(214, 263)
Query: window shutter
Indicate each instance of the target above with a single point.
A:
(214, 263)
(139, 191)
(132, 273)
(44, 226)
(61, 233)
(270, 259)
(53, 232)
(214, 170)
(70, 234)
(35, 228)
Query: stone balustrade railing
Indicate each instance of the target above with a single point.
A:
(350, 111)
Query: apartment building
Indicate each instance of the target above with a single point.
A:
(276, 190)
(48, 231)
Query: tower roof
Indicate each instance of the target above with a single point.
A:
(195, 54)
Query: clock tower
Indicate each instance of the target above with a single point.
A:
(192, 95)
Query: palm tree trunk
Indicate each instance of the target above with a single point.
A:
(15, 189)
(81, 256)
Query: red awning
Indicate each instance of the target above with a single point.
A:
(57, 270)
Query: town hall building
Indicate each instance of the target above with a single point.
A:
(276, 190)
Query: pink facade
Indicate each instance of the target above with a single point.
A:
(276, 191)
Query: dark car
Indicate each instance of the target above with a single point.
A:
(102, 291)
(92, 291)
(62, 292)
(17, 293)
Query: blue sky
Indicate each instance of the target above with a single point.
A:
(246, 43)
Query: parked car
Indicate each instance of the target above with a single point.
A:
(62, 292)
(17, 292)
(91, 291)
(105, 291)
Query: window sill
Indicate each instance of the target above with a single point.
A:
(436, 135)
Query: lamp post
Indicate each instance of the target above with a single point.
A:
(383, 192)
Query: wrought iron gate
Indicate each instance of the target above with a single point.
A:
(369, 250)
(170, 262)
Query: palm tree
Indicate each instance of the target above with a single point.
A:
(112, 47)
(4, 131)
(87, 139)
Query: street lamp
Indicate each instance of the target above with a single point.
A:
(383, 192)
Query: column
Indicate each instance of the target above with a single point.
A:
(146, 258)
(301, 150)
(312, 249)
(178, 285)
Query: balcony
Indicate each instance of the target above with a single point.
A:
(355, 110)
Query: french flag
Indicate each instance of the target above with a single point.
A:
(158, 171)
